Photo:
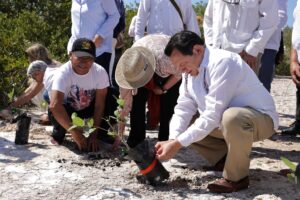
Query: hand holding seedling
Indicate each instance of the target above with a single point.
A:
(93, 144)
(79, 139)
(83, 133)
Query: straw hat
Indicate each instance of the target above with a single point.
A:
(135, 68)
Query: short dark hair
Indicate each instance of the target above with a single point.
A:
(184, 42)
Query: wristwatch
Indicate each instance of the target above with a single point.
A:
(163, 90)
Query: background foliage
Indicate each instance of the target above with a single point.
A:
(49, 23)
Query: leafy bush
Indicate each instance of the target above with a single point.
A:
(23, 23)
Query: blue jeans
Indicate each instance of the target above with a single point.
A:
(266, 71)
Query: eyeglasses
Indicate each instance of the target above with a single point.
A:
(232, 1)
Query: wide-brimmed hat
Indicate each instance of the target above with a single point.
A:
(135, 68)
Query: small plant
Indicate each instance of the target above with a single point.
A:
(292, 166)
(116, 131)
(87, 125)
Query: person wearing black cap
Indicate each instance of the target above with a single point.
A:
(80, 86)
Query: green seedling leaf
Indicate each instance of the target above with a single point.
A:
(112, 133)
(72, 127)
(291, 176)
(117, 113)
(121, 102)
(44, 104)
(77, 120)
(90, 123)
(74, 114)
(286, 161)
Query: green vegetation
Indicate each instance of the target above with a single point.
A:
(49, 23)
(292, 166)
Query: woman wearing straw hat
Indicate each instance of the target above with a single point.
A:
(145, 73)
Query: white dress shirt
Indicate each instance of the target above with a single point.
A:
(91, 17)
(236, 27)
(274, 41)
(160, 16)
(224, 81)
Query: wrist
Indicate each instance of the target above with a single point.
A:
(163, 89)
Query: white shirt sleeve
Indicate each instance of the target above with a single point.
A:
(208, 24)
(222, 78)
(191, 18)
(60, 81)
(268, 23)
(141, 19)
(102, 78)
(183, 112)
(112, 18)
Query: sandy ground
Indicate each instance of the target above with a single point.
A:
(41, 170)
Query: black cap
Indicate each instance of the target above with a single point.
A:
(83, 47)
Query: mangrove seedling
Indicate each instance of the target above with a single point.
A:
(87, 125)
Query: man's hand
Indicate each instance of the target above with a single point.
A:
(93, 144)
(98, 40)
(167, 149)
(249, 59)
(295, 72)
(79, 138)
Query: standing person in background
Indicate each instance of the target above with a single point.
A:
(294, 129)
(131, 29)
(35, 91)
(241, 26)
(266, 71)
(96, 20)
(117, 44)
(162, 17)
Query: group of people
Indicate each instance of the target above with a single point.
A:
(202, 92)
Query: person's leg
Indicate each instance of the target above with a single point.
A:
(266, 71)
(167, 104)
(110, 107)
(294, 129)
(104, 60)
(240, 128)
(213, 147)
(59, 132)
(137, 118)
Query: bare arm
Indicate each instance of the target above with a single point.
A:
(98, 114)
(58, 110)
(294, 67)
(172, 80)
(31, 91)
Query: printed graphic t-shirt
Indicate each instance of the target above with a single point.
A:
(80, 90)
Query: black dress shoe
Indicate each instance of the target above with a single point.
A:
(294, 129)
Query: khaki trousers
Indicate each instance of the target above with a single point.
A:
(240, 127)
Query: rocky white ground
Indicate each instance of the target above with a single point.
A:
(41, 170)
